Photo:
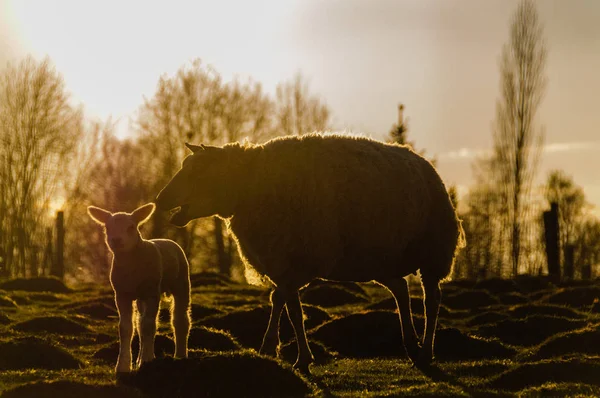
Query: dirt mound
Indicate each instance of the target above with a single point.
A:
(40, 284)
(71, 389)
(163, 345)
(198, 311)
(212, 339)
(31, 352)
(486, 318)
(470, 299)
(459, 284)
(4, 320)
(97, 311)
(453, 345)
(350, 286)
(523, 311)
(530, 284)
(364, 335)
(582, 341)
(416, 305)
(237, 374)
(575, 296)
(249, 325)
(289, 352)
(552, 389)
(45, 297)
(595, 309)
(512, 298)
(558, 371)
(208, 278)
(331, 295)
(51, 324)
(7, 302)
(529, 331)
(497, 285)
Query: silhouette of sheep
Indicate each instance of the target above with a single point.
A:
(328, 206)
(141, 271)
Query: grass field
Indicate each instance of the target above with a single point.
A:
(495, 338)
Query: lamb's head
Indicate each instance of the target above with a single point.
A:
(200, 188)
(121, 229)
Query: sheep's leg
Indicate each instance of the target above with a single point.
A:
(180, 322)
(433, 296)
(125, 308)
(294, 310)
(399, 289)
(147, 328)
(271, 337)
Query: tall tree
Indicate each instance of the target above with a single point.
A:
(39, 130)
(517, 139)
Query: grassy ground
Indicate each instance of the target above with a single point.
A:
(495, 338)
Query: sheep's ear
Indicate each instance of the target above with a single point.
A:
(99, 215)
(143, 213)
(194, 148)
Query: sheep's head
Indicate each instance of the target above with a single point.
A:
(199, 189)
(121, 229)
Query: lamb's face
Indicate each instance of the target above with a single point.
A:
(122, 232)
(121, 229)
(197, 188)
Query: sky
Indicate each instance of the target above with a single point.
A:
(362, 57)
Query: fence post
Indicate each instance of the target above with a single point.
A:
(551, 229)
(58, 268)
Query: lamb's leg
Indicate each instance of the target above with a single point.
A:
(271, 337)
(180, 322)
(433, 296)
(148, 319)
(399, 289)
(294, 310)
(125, 308)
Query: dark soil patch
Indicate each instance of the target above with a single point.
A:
(45, 297)
(416, 305)
(470, 299)
(163, 345)
(523, 311)
(289, 352)
(198, 311)
(108, 300)
(51, 324)
(595, 309)
(71, 389)
(576, 296)
(331, 295)
(249, 325)
(237, 374)
(212, 339)
(97, 311)
(40, 284)
(582, 341)
(4, 320)
(512, 298)
(529, 331)
(453, 345)
(350, 286)
(31, 352)
(459, 284)
(364, 335)
(486, 318)
(558, 371)
(497, 285)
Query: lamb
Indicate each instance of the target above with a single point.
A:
(141, 271)
(334, 207)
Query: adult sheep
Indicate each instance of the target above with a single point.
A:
(326, 206)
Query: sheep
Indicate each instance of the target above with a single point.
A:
(326, 206)
(141, 271)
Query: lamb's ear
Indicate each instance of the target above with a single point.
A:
(99, 215)
(143, 213)
(194, 148)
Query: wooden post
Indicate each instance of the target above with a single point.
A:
(551, 229)
(568, 268)
(58, 269)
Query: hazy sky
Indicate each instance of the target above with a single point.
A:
(440, 58)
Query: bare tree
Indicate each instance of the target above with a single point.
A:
(39, 129)
(299, 112)
(517, 140)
